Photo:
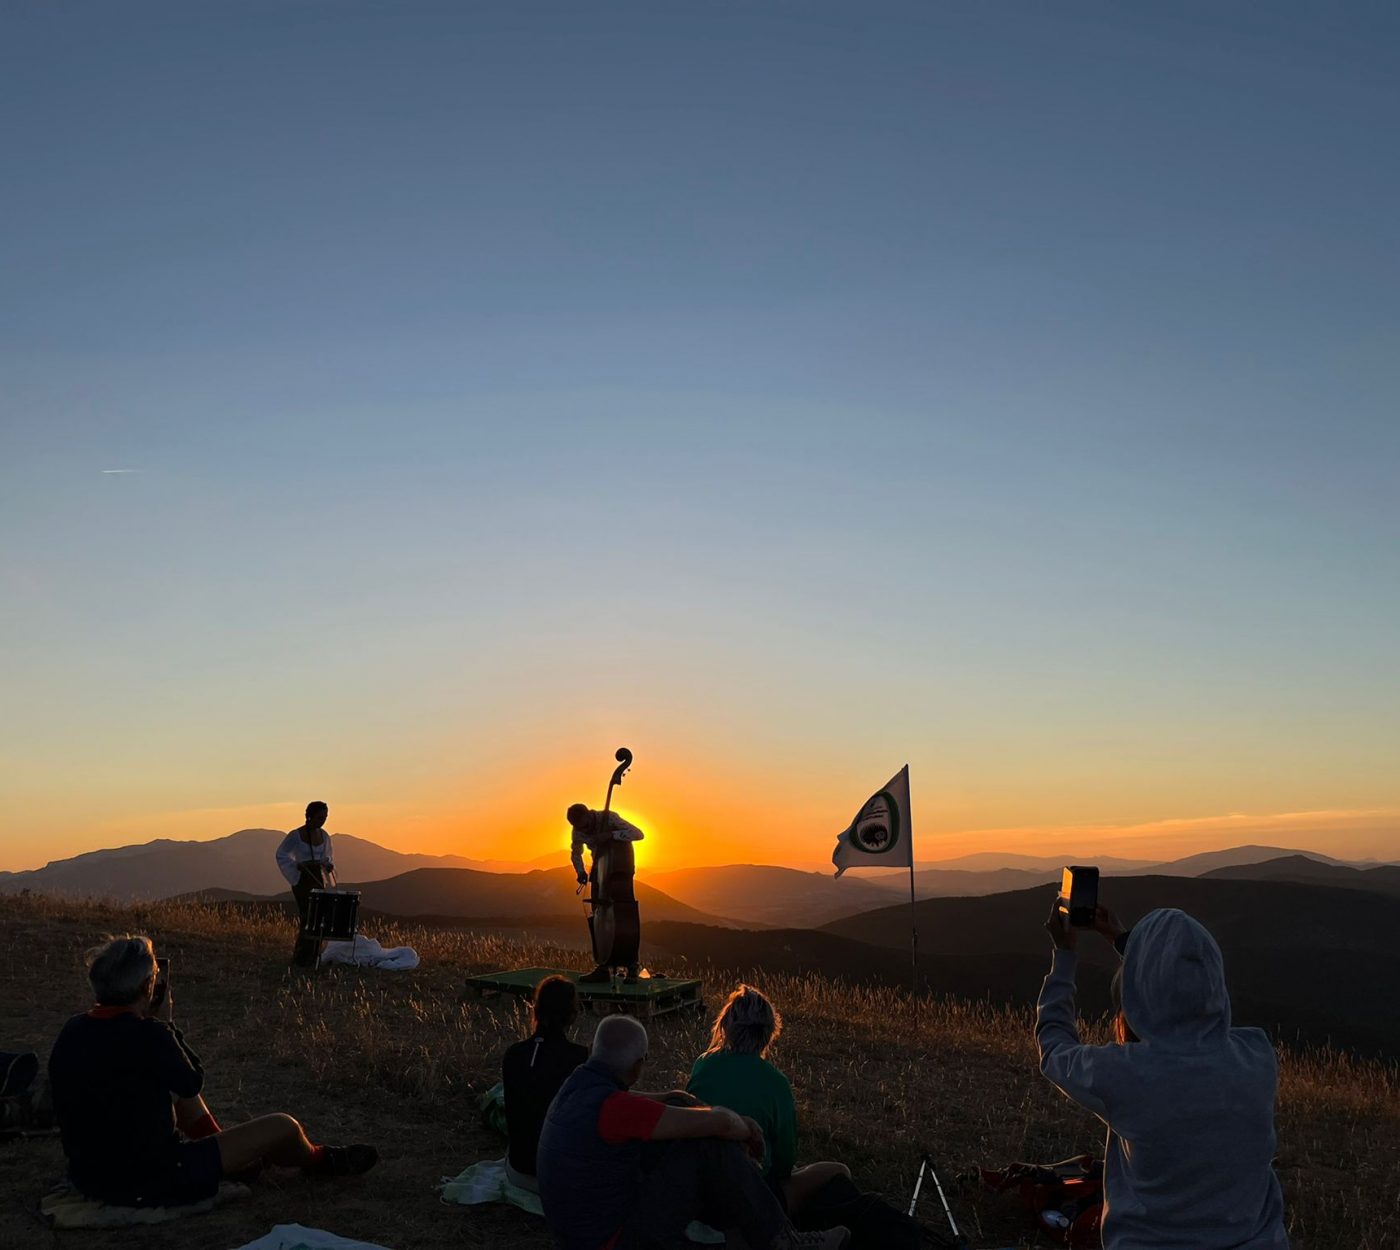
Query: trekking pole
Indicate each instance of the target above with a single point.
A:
(926, 1163)
(947, 1210)
(918, 1185)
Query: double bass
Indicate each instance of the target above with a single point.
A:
(614, 923)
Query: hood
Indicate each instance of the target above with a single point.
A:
(1174, 982)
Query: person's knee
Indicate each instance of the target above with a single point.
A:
(282, 1126)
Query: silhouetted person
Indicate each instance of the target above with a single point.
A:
(596, 831)
(1188, 1100)
(126, 1086)
(625, 1170)
(304, 858)
(532, 1072)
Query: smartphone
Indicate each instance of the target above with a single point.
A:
(1079, 895)
(162, 982)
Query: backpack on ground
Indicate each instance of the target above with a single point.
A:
(1064, 1200)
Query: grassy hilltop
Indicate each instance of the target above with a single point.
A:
(396, 1059)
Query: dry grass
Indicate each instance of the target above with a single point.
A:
(398, 1060)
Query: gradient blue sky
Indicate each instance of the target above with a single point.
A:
(789, 390)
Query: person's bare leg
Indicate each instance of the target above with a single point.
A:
(804, 1182)
(189, 1112)
(276, 1139)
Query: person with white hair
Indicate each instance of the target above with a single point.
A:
(622, 1170)
(127, 1093)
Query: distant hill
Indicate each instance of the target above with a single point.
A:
(1233, 857)
(981, 861)
(242, 861)
(545, 894)
(1383, 879)
(1301, 958)
(763, 895)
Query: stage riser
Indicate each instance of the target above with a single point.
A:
(649, 997)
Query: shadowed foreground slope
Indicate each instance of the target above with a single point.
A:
(397, 1059)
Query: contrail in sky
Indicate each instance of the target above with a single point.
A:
(121, 470)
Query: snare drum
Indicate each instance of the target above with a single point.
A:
(331, 915)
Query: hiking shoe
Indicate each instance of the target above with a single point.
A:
(837, 1238)
(343, 1161)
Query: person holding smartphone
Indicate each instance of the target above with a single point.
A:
(128, 1095)
(1188, 1099)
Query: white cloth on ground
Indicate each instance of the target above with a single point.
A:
(489, 1181)
(298, 1237)
(366, 952)
(67, 1208)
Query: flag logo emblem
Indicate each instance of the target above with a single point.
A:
(876, 829)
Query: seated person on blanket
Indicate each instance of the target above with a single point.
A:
(622, 1171)
(532, 1072)
(126, 1091)
(1188, 1100)
(735, 1072)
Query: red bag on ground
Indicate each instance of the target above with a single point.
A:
(1064, 1200)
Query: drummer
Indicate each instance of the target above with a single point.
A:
(304, 858)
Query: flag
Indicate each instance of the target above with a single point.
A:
(880, 836)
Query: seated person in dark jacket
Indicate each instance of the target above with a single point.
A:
(622, 1171)
(532, 1072)
(126, 1086)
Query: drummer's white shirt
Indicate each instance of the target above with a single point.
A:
(296, 850)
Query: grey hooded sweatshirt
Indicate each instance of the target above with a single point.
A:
(1189, 1106)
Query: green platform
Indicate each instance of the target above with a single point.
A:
(650, 996)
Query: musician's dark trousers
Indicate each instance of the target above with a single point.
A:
(622, 864)
(307, 950)
(700, 1178)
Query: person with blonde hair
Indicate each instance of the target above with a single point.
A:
(128, 1096)
(735, 1072)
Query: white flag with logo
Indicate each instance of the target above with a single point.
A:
(880, 836)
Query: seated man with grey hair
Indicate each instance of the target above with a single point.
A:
(126, 1086)
(620, 1170)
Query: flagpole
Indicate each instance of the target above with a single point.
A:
(913, 938)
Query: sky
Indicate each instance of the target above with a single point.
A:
(405, 405)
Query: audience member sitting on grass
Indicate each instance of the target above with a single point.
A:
(622, 1171)
(126, 1086)
(735, 1073)
(1188, 1100)
(532, 1072)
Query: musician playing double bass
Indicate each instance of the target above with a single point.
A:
(609, 838)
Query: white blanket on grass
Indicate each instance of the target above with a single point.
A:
(366, 952)
(67, 1208)
(297, 1237)
(487, 1182)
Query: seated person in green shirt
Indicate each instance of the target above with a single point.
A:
(735, 1073)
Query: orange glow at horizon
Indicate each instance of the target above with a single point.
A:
(698, 809)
